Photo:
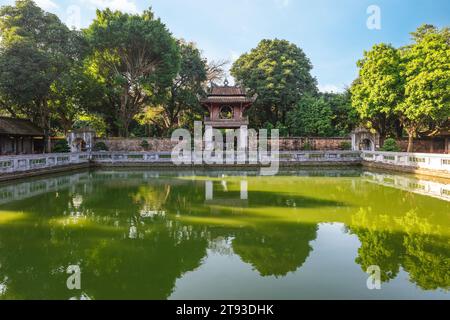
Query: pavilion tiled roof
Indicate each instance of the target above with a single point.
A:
(20, 127)
(227, 99)
(227, 91)
(227, 94)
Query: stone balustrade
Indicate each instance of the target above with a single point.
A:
(131, 157)
(284, 156)
(437, 163)
(425, 161)
(320, 156)
(23, 163)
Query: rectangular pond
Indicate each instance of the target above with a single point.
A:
(310, 234)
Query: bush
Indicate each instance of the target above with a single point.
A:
(61, 146)
(145, 145)
(345, 145)
(390, 145)
(307, 146)
(100, 146)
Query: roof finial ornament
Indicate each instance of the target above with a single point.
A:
(225, 83)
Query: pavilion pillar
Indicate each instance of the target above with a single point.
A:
(209, 190)
(447, 142)
(244, 190)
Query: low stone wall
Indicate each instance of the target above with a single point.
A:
(165, 145)
(286, 144)
(135, 144)
(424, 145)
(317, 143)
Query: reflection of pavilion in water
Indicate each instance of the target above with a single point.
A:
(168, 248)
(235, 202)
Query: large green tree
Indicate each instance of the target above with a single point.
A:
(180, 100)
(278, 72)
(311, 116)
(344, 117)
(379, 87)
(408, 87)
(426, 69)
(36, 50)
(135, 55)
(74, 94)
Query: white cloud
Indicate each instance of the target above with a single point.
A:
(330, 88)
(121, 5)
(282, 3)
(46, 4)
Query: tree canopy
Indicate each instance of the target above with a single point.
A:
(36, 50)
(136, 55)
(311, 117)
(128, 75)
(378, 89)
(426, 70)
(409, 84)
(179, 101)
(278, 72)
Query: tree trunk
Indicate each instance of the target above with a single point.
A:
(126, 128)
(410, 142)
(124, 112)
(411, 133)
(382, 129)
(45, 124)
(398, 129)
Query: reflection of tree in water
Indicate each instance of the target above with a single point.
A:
(126, 252)
(31, 255)
(144, 268)
(151, 198)
(379, 244)
(35, 252)
(427, 258)
(410, 242)
(277, 250)
(274, 250)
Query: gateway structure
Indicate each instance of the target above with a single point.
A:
(226, 106)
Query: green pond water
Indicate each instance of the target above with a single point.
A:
(225, 235)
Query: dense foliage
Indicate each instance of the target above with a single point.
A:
(37, 54)
(406, 88)
(61, 146)
(278, 72)
(390, 145)
(178, 103)
(127, 75)
(311, 116)
(135, 55)
(100, 146)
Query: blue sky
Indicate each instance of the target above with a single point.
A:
(332, 33)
